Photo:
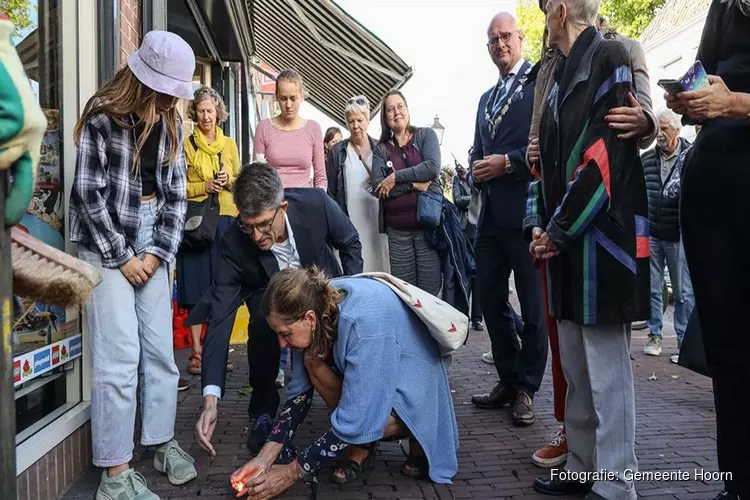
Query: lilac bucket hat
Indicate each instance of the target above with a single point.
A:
(164, 63)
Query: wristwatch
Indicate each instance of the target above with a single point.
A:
(508, 165)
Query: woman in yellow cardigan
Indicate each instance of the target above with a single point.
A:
(213, 163)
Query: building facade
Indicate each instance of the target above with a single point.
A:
(671, 43)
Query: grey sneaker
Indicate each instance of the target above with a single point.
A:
(488, 358)
(173, 461)
(128, 485)
(653, 346)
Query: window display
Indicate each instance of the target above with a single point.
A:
(44, 340)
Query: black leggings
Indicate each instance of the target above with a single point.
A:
(714, 218)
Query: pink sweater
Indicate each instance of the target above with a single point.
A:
(293, 152)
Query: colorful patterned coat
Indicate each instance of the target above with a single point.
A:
(589, 194)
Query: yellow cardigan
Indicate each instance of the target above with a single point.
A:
(197, 175)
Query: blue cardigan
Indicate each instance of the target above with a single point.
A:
(389, 361)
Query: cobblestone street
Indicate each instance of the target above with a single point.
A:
(675, 431)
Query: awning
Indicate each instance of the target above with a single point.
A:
(28, 52)
(336, 55)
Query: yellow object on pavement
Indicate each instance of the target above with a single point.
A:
(239, 331)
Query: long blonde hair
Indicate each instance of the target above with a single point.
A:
(293, 292)
(124, 95)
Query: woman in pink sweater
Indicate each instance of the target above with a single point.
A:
(293, 145)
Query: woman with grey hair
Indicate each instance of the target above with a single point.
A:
(349, 166)
(587, 218)
(213, 164)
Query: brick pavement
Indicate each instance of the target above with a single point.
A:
(675, 430)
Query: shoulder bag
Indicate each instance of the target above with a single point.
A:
(201, 219)
(446, 324)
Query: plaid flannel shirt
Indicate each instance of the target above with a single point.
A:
(106, 196)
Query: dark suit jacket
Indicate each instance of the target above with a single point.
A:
(506, 194)
(318, 224)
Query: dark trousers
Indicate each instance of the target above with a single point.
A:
(714, 220)
(263, 355)
(498, 252)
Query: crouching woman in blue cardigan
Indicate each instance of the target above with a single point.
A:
(376, 366)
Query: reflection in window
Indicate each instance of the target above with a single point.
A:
(37, 327)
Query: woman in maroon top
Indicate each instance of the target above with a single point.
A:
(405, 162)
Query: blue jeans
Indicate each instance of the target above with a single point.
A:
(130, 329)
(666, 252)
(687, 285)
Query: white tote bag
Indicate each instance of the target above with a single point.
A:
(447, 325)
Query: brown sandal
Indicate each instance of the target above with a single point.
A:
(416, 466)
(194, 365)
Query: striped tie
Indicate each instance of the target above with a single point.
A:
(501, 90)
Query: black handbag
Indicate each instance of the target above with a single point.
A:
(693, 352)
(201, 220)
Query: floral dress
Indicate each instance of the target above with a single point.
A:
(320, 452)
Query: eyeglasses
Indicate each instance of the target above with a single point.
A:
(262, 227)
(359, 100)
(495, 40)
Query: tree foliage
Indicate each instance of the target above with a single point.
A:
(18, 11)
(531, 21)
(627, 17)
(630, 17)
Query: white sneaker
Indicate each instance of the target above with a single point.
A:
(128, 485)
(653, 346)
(280, 378)
(487, 358)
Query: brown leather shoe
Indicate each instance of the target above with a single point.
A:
(500, 397)
(523, 408)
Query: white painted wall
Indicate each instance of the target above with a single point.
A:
(670, 55)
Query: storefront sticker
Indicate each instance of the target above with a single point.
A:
(42, 361)
(75, 347)
(32, 364)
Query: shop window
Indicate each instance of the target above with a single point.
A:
(45, 341)
(108, 17)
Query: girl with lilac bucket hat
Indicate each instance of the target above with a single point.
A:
(127, 213)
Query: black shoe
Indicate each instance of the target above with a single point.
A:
(183, 384)
(523, 408)
(477, 325)
(500, 397)
(558, 487)
(257, 437)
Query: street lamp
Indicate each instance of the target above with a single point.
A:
(439, 129)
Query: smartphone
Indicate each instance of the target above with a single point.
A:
(673, 87)
(695, 78)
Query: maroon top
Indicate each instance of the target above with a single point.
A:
(401, 213)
